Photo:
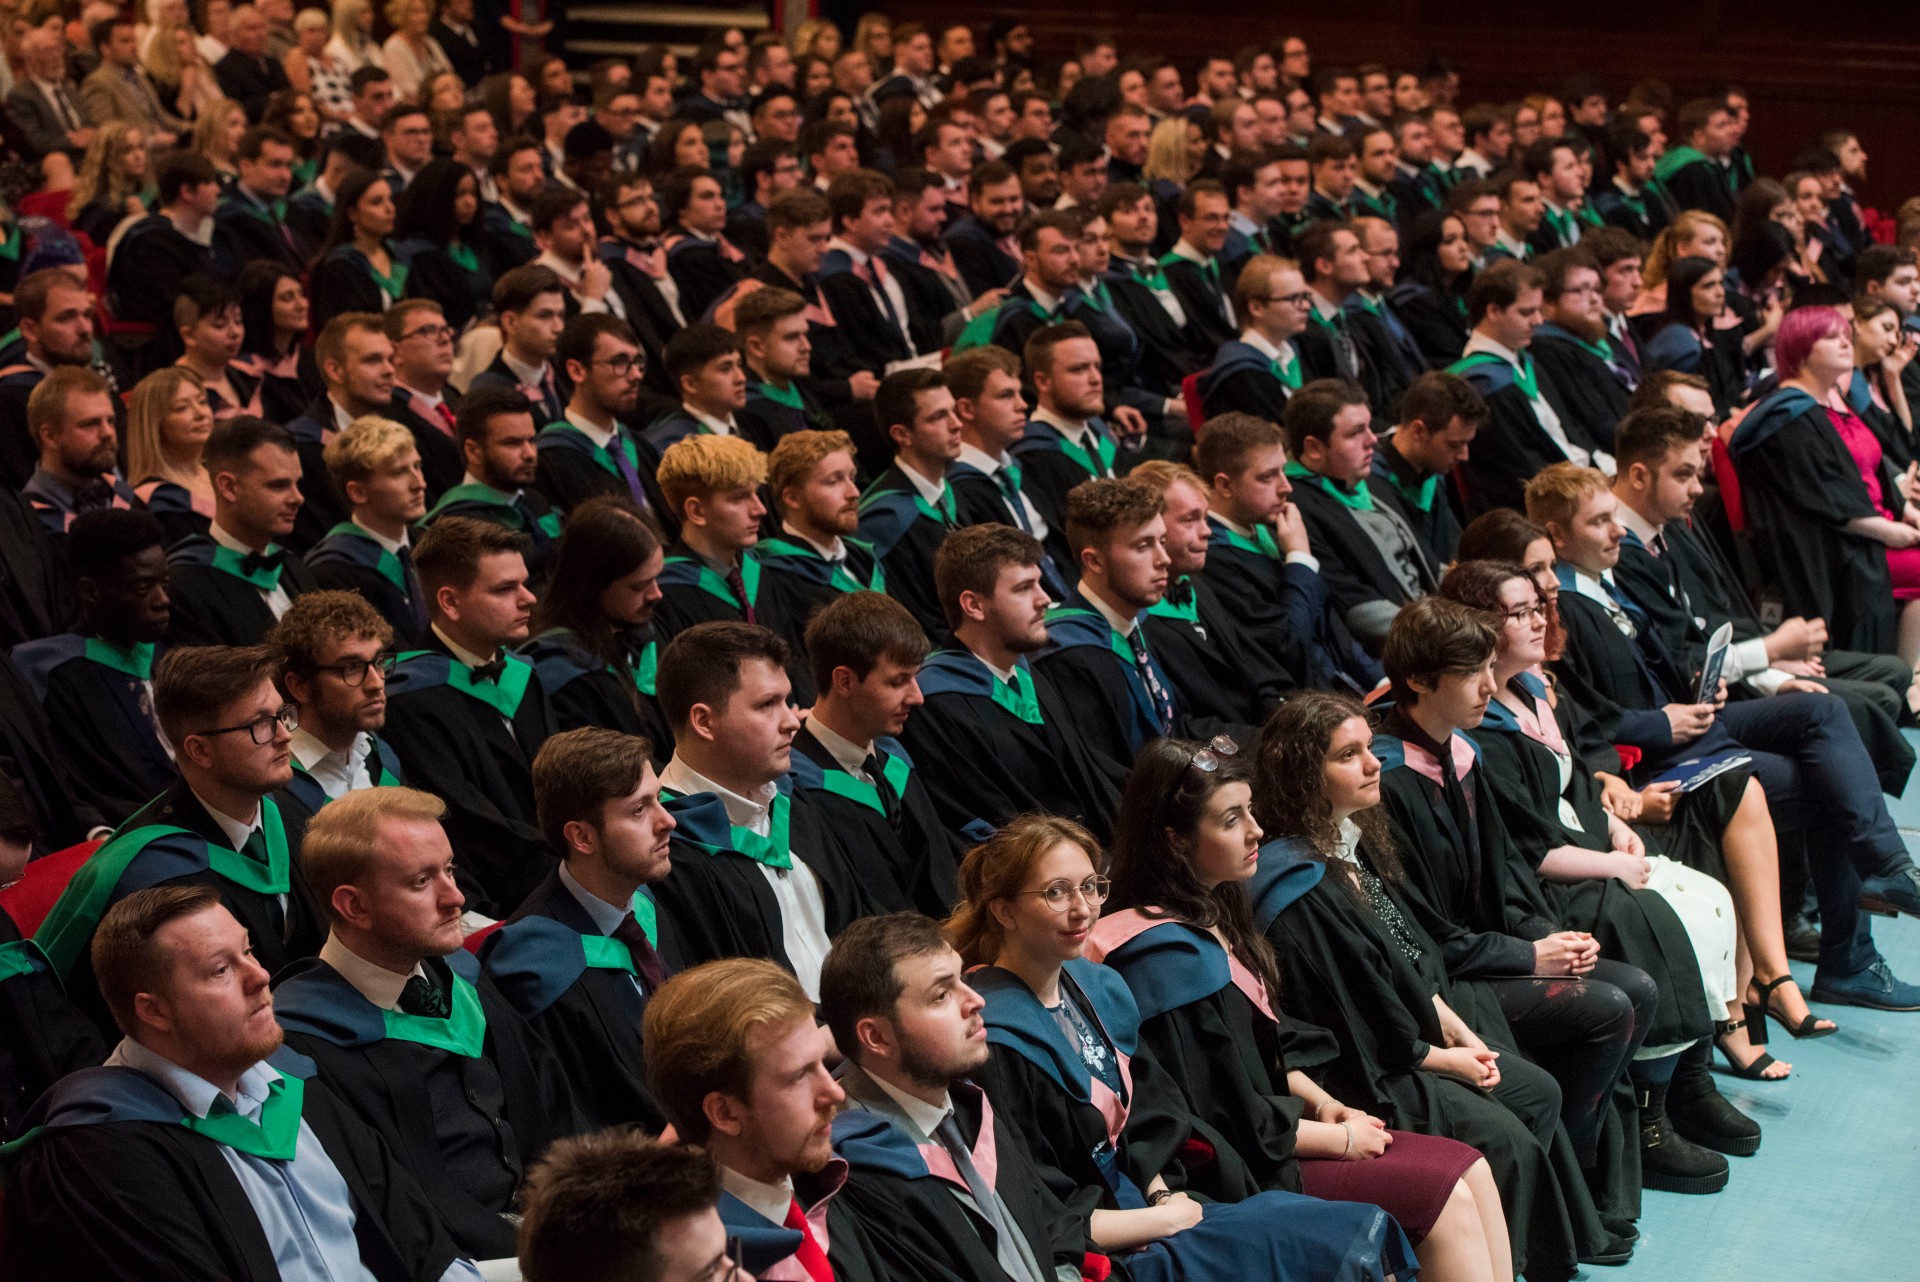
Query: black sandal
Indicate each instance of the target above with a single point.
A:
(1753, 1072)
(1757, 1013)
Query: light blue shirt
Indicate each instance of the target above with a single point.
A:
(606, 917)
(303, 1206)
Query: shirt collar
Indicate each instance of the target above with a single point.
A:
(1181, 249)
(460, 653)
(1321, 307)
(851, 250)
(718, 426)
(309, 751)
(742, 812)
(568, 272)
(1121, 623)
(1046, 298)
(531, 375)
(606, 917)
(1479, 342)
(219, 534)
(1242, 224)
(342, 419)
(236, 831)
(769, 1201)
(375, 983)
(1507, 241)
(1641, 528)
(975, 457)
(429, 399)
(931, 491)
(600, 436)
(386, 544)
(1258, 342)
(1077, 432)
(835, 551)
(922, 1114)
(195, 1093)
(1348, 842)
(851, 756)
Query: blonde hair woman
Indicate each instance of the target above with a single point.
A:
(1694, 234)
(353, 46)
(412, 56)
(873, 36)
(168, 422)
(1170, 156)
(181, 77)
(113, 174)
(216, 134)
(819, 37)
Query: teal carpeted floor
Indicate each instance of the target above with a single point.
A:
(1834, 1193)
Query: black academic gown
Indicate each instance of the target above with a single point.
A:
(1425, 502)
(431, 1104)
(1225, 680)
(910, 1219)
(588, 1011)
(1204, 297)
(1590, 393)
(143, 279)
(434, 273)
(35, 600)
(797, 583)
(1372, 986)
(716, 902)
(1241, 380)
(1051, 465)
(1289, 601)
(462, 749)
(143, 1198)
(691, 593)
(525, 512)
(978, 257)
(102, 727)
(1437, 321)
(1801, 487)
(1168, 352)
(1510, 446)
(895, 838)
(347, 559)
(43, 1036)
(1355, 569)
(212, 606)
(905, 532)
(702, 272)
(441, 463)
(37, 769)
(279, 933)
(586, 692)
(572, 469)
(984, 763)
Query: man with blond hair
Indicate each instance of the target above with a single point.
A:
(711, 485)
(333, 650)
(375, 467)
(204, 1148)
(405, 1027)
(580, 958)
(815, 559)
(739, 1067)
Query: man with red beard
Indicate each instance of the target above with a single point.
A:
(406, 1028)
(1593, 382)
(203, 1148)
(815, 559)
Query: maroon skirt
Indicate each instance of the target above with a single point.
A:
(1411, 1181)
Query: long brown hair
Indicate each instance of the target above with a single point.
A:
(998, 869)
(1165, 796)
(1289, 792)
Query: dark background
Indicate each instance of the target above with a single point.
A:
(1806, 66)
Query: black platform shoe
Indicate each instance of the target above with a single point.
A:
(1669, 1161)
(1702, 1114)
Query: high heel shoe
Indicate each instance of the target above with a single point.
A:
(1755, 1071)
(1757, 1013)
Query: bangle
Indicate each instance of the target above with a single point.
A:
(1347, 1152)
(1158, 1196)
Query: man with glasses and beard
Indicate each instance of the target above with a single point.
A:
(217, 826)
(591, 451)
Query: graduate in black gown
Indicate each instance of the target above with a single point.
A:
(1413, 465)
(228, 586)
(712, 485)
(815, 559)
(403, 1024)
(995, 737)
(1486, 895)
(334, 650)
(910, 508)
(1431, 294)
(1067, 441)
(866, 652)
(497, 437)
(1592, 380)
(217, 825)
(375, 467)
(466, 715)
(1259, 560)
(43, 1036)
(580, 957)
(592, 451)
(1112, 1127)
(759, 870)
(133, 1174)
(1331, 897)
(1220, 669)
(95, 685)
(742, 1030)
(593, 644)
(1697, 173)
(1256, 372)
(989, 483)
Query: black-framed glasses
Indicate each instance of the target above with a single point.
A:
(1521, 613)
(261, 728)
(1301, 299)
(623, 365)
(1059, 895)
(1219, 748)
(434, 332)
(353, 672)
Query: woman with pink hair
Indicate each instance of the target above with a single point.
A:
(1827, 511)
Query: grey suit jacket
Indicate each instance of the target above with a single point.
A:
(41, 125)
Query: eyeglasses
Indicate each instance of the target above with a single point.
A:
(1057, 896)
(261, 729)
(1301, 299)
(622, 365)
(432, 333)
(353, 672)
(1220, 748)
(1521, 613)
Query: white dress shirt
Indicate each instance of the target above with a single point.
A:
(276, 598)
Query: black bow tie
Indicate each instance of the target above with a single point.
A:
(254, 562)
(488, 671)
(1180, 593)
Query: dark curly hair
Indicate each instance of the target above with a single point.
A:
(1160, 808)
(1289, 797)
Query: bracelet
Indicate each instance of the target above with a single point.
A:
(1157, 1197)
(1347, 1152)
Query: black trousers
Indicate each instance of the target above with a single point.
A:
(1583, 1032)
